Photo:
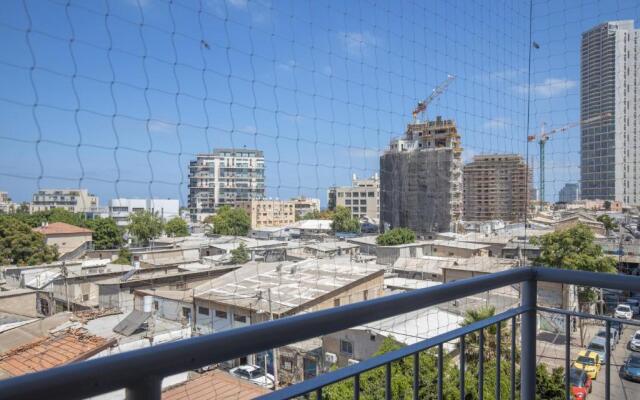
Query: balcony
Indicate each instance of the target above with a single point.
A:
(141, 371)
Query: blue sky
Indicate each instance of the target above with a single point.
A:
(118, 96)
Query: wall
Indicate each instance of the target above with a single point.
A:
(67, 243)
(22, 304)
(364, 344)
(205, 324)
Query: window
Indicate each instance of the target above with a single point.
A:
(371, 194)
(240, 318)
(336, 303)
(286, 363)
(372, 337)
(365, 295)
(346, 347)
(203, 310)
(186, 312)
(221, 314)
(156, 305)
(347, 202)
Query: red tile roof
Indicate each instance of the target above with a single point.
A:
(215, 385)
(61, 228)
(53, 351)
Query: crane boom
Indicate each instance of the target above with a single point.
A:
(422, 105)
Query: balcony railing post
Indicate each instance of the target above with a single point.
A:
(528, 298)
(148, 388)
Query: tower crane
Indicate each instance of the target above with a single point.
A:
(422, 105)
(544, 136)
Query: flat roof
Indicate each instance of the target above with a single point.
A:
(292, 284)
(458, 245)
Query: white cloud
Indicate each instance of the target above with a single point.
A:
(156, 126)
(287, 66)
(357, 43)
(239, 4)
(496, 123)
(550, 87)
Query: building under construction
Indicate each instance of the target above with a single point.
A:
(421, 178)
(496, 187)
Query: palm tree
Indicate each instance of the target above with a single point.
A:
(472, 340)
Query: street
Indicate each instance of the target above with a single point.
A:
(552, 354)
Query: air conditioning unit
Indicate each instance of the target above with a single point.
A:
(352, 362)
(330, 358)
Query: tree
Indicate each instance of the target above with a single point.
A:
(231, 221)
(473, 339)
(124, 257)
(343, 221)
(106, 233)
(20, 245)
(549, 385)
(145, 226)
(607, 205)
(240, 254)
(176, 227)
(396, 236)
(608, 222)
(315, 214)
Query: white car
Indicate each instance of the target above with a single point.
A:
(254, 374)
(634, 343)
(623, 311)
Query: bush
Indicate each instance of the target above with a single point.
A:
(396, 236)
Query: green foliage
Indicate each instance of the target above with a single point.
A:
(176, 227)
(56, 215)
(575, 249)
(608, 222)
(106, 233)
(145, 226)
(473, 339)
(343, 221)
(124, 257)
(607, 205)
(230, 221)
(240, 254)
(315, 214)
(549, 385)
(396, 236)
(20, 245)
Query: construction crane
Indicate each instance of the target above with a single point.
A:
(422, 105)
(544, 136)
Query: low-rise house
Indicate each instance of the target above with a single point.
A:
(449, 248)
(331, 249)
(19, 301)
(428, 268)
(67, 238)
(466, 268)
(172, 305)
(387, 255)
(573, 219)
(215, 385)
(367, 244)
(361, 343)
(311, 229)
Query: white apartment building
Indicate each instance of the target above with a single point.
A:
(121, 209)
(362, 198)
(224, 177)
(610, 146)
(74, 200)
(6, 205)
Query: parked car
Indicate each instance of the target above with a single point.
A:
(589, 362)
(602, 333)
(254, 374)
(634, 343)
(631, 368)
(598, 345)
(634, 304)
(623, 311)
(581, 383)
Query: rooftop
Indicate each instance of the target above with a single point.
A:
(61, 228)
(292, 284)
(48, 352)
(215, 385)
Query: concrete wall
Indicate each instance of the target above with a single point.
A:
(364, 344)
(171, 256)
(68, 242)
(387, 255)
(21, 303)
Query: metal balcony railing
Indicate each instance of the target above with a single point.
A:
(141, 371)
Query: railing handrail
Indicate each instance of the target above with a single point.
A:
(105, 374)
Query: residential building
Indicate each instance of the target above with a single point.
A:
(65, 237)
(569, 193)
(362, 198)
(421, 179)
(74, 200)
(265, 213)
(305, 205)
(224, 177)
(120, 209)
(6, 205)
(610, 153)
(496, 186)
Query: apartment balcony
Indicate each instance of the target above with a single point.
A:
(141, 371)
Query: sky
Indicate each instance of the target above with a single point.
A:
(118, 96)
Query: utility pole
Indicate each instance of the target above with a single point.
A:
(275, 350)
(66, 286)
